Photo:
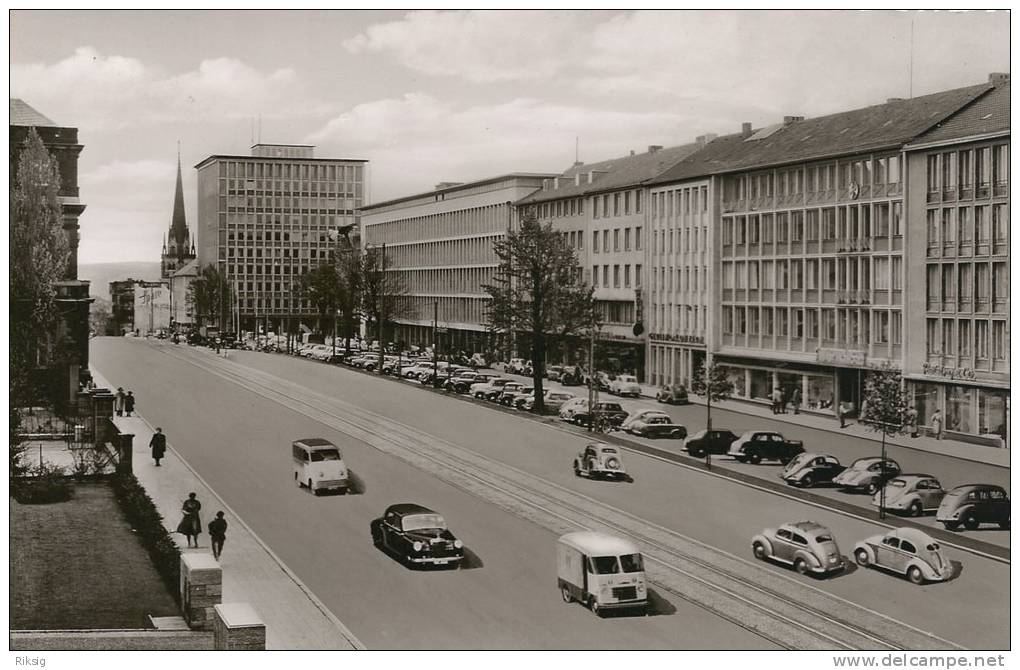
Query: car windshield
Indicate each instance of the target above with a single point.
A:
(423, 521)
(606, 565)
(658, 419)
(632, 563)
(898, 483)
(325, 455)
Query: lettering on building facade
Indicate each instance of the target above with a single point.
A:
(682, 339)
(842, 357)
(936, 370)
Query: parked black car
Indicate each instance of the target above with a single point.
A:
(809, 469)
(709, 442)
(973, 505)
(417, 536)
(613, 412)
(572, 376)
(756, 446)
(674, 394)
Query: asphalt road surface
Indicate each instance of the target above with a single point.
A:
(239, 442)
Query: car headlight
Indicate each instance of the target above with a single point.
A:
(458, 544)
(417, 546)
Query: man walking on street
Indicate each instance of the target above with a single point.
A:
(840, 413)
(911, 421)
(129, 403)
(118, 401)
(218, 534)
(795, 400)
(158, 445)
(775, 400)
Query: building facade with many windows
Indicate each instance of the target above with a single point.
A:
(958, 317)
(267, 219)
(441, 244)
(602, 210)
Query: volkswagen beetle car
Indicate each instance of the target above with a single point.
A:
(553, 401)
(600, 461)
(868, 474)
(907, 551)
(657, 425)
(809, 469)
(611, 411)
(972, 505)
(571, 407)
(674, 394)
(625, 385)
(417, 536)
(641, 413)
(754, 446)
(510, 396)
(806, 545)
(912, 494)
(709, 442)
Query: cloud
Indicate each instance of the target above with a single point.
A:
(480, 46)
(90, 89)
(417, 140)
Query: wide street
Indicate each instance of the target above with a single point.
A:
(233, 421)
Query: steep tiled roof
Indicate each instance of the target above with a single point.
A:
(986, 115)
(892, 124)
(616, 173)
(24, 115)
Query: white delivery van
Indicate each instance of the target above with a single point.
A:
(601, 571)
(319, 465)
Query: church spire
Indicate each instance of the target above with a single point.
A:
(178, 224)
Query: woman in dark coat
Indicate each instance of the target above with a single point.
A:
(191, 524)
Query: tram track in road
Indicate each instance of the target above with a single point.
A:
(777, 607)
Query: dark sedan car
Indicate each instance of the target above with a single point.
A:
(809, 469)
(972, 505)
(613, 412)
(709, 442)
(417, 536)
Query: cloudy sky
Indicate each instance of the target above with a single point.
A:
(448, 96)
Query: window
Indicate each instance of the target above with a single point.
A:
(752, 274)
(933, 228)
(766, 228)
(626, 276)
(1000, 285)
(796, 226)
(966, 177)
(829, 224)
(983, 167)
(637, 275)
(595, 241)
(741, 274)
(1000, 223)
(605, 240)
(897, 219)
(982, 229)
(797, 273)
(616, 204)
(829, 273)
(965, 228)
(948, 171)
(947, 337)
(781, 321)
(752, 230)
(964, 338)
(999, 343)
(594, 275)
(727, 320)
(595, 207)
(948, 226)
(616, 276)
(782, 275)
(981, 284)
(626, 202)
(1001, 165)
(605, 276)
(896, 328)
(812, 273)
(781, 227)
(637, 239)
(728, 275)
(616, 239)
(934, 174)
(637, 202)
(626, 239)
(948, 283)
(981, 338)
(881, 265)
(932, 339)
(766, 321)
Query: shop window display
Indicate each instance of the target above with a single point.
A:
(821, 393)
(761, 385)
(736, 378)
(960, 408)
(992, 413)
(926, 401)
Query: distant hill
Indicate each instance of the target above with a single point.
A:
(101, 274)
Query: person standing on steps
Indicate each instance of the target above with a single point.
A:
(218, 534)
(158, 445)
(191, 524)
(129, 403)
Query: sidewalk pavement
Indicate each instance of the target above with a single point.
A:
(252, 573)
(952, 448)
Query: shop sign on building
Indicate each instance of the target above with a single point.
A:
(936, 370)
(683, 339)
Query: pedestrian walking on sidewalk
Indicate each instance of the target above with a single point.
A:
(841, 414)
(782, 401)
(129, 403)
(775, 400)
(158, 445)
(118, 401)
(911, 421)
(936, 424)
(218, 534)
(795, 401)
(191, 524)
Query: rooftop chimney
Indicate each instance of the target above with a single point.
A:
(745, 130)
(702, 140)
(652, 148)
(998, 78)
(787, 120)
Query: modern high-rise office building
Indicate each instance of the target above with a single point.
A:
(267, 219)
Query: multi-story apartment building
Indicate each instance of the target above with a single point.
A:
(602, 210)
(440, 243)
(812, 281)
(268, 218)
(957, 258)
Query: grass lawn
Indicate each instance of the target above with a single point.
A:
(78, 564)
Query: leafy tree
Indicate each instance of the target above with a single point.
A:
(884, 408)
(322, 285)
(383, 294)
(39, 256)
(209, 295)
(538, 289)
(712, 382)
(350, 285)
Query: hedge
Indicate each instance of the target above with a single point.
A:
(147, 522)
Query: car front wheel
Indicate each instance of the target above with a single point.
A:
(872, 488)
(861, 556)
(807, 481)
(565, 594)
(759, 551)
(915, 575)
(915, 508)
(970, 522)
(755, 458)
(696, 452)
(801, 566)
